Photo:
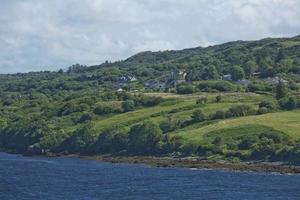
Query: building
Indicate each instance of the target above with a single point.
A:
(227, 77)
(275, 80)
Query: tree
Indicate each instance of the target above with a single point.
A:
(280, 55)
(248, 141)
(198, 116)
(81, 140)
(250, 68)
(218, 141)
(85, 117)
(209, 73)
(128, 105)
(202, 100)
(270, 105)
(281, 90)
(184, 88)
(220, 114)
(60, 71)
(112, 140)
(240, 110)
(218, 98)
(237, 73)
(169, 125)
(144, 138)
(288, 103)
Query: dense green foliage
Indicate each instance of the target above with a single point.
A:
(112, 107)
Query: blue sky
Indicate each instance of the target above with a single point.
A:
(51, 34)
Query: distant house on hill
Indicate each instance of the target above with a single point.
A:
(227, 77)
(255, 74)
(275, 80)
(127, 78)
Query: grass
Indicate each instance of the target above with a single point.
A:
(182, 108)
(179, 108)
(235, 133)
(285, 122)
(129, 118)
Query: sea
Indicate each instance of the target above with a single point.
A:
(63, 178)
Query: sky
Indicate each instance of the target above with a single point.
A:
(40, 35)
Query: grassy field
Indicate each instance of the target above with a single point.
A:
(181, 107)
(286, 122)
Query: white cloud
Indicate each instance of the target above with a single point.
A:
(39, 35)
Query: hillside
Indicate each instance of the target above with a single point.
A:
(234, 101)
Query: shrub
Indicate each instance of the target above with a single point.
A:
(237, 73)
(202, 100)
(258, 86)
(144, 138)
(204, 150)
(281, 90)
(218, 98)
(223, 86)
(276, 137)
(143, 100)
(288, 103)
(112, 140)
(262, 110)
(220, 114)
(188, 148)
(104, 109)
(184, 88)
(218, 141)
(247, 142)
(198, 116)
(169, 125)
(240, 110)
(270, 105)
(264, 149)
(81, 141)
(70, 108)
(85, 117)
(128, 105)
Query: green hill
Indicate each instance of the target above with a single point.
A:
(236, 100)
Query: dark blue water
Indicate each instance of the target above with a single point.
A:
(71, 178)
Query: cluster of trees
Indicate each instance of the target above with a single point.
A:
(217, 86)
(286, 100)
(208, 86)
(144, 138)
(270, 145)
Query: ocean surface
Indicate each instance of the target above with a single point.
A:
(71, 178)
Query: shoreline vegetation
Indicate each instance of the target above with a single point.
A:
(192, 162)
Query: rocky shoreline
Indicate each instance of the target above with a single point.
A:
(186, 162)
(199, 163)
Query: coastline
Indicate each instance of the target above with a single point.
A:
(182, 162)
(196, 163)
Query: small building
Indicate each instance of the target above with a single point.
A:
(127, 78)
(120, 90)
(255, 74)
(227, 77)
(275, 80)
(132, 78)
